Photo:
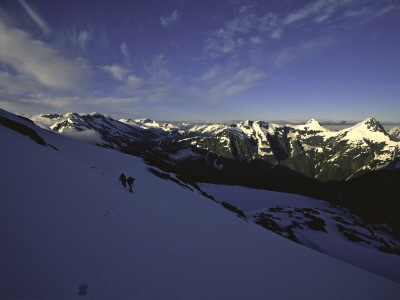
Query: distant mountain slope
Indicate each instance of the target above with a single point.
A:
(69, 230)
(310, 149)
(348, 153)
(304, 159)
(394, 134)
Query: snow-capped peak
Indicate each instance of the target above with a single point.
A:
(373, 125)
(369, 129)
(144, 121)
(370, 124)
(313, 124)
(311, 121)
(247, 123)
(71, 115)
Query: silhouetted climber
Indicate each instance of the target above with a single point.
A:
(122, 179)
(130, 183)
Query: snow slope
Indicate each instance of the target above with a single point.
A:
(68, 230)
(368, 129)
(286, 209)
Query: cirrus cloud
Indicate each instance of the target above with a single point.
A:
(42, 63)
(36, 17)
(169, 18)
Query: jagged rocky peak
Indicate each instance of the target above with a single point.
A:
(262, 124)
(72, 115)
(99, 115)
(369, 129)
(247, 123)
(373, 125)
(251, 124)
(66, 124)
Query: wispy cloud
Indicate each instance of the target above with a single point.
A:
(329, 10)
(246, 29)
(157, 70)
(271, 25)
(222, 41)
(372, 11)
(134, 80)
(39, 61)
(126, 76)
(210, 74)
(308, 48)
(169, 18)
(125, 53)
(36, 17)
(320, 10)
(156, 82)
(240, 81)
(219, 84)
(252, 28)
(83, 38)
(76, 37)
(387, 9)
(36, 75)
(243, 23)
(255, 40)
(116, 71)
(151, 82)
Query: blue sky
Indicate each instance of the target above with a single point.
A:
(202, 60)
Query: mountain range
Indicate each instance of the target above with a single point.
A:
(305, 159)
(68, 229)
(310, 149)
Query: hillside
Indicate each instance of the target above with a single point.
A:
(69, 230)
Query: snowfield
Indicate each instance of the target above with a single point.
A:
(68, 230)
(359, 249)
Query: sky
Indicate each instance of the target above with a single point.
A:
(174, 60)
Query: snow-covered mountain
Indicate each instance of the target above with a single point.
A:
(69, 230)
(394, 134)
(312, 125)
(318, 147)
(309, 149)
(125, 135)
(347, 153)
(302, 159)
